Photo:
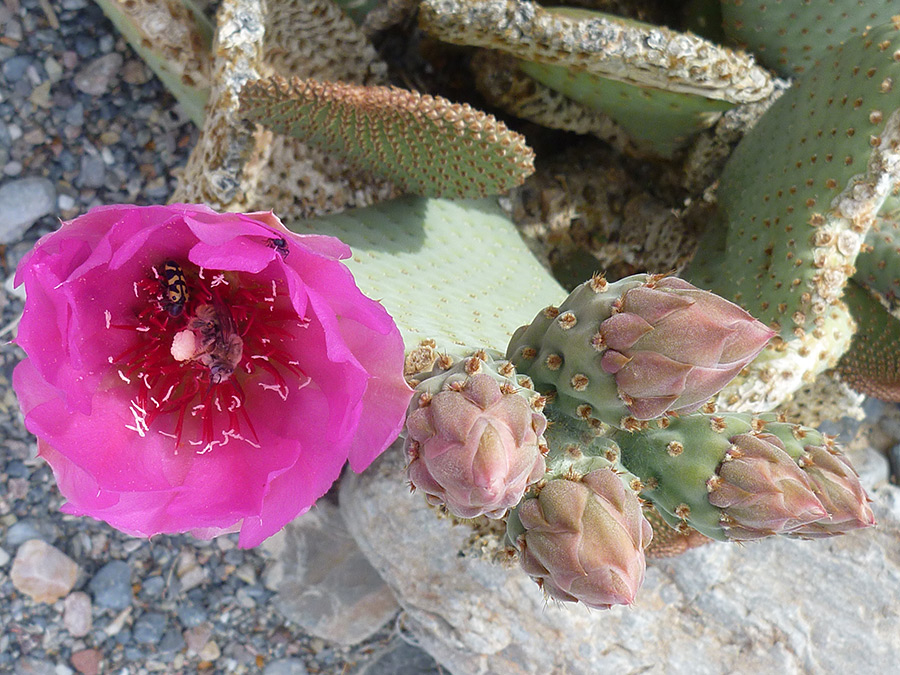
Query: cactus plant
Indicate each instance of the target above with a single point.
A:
(456, 271)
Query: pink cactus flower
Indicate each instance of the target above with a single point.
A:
(204, 372)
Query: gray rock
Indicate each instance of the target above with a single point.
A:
(285, 667)
(25, 529)
(190, 615)
(172, 641)
(93, 171)
(401, 657)
(95, 77)
(153, 587)
(111, 585)
(149, 628)
(324, 583)
(31, 666)
(22, 202)
(777, 605)
(14, 68)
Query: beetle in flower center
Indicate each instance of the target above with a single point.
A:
(193, 365)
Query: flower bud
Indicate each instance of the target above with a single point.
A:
(475, 447)
(672, 346)
(761, 490)
(837, 486)
(583, 540)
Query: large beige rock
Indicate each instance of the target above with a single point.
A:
(42, 572)
(773, 606)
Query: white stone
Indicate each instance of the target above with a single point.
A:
(42, 572)
(77, 614)
(322, 580)
(777, 605)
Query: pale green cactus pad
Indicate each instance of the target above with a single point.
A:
(173, 38)
(789, 36)
(659, 85)
(453, 271)
(872, 364)
(426, 145)
(803, 187)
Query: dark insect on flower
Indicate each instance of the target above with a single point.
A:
(220, 347)
(176, 287)
(280, 245)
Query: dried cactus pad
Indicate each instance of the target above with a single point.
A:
(790, 35)
(426, 145)
(600, 44)
(173, 38)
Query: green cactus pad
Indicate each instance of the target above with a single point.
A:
(425, 145)
(557, 350)
(872, 364)
(661, 121)
(789, 36)
(674, 457)
(173, 38)
(453, 271)
(803, 187)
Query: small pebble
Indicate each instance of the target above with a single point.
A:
(26, 529)
(402, 657)
(149, 628)
(197, 637)
(14, 68)
(87, 661)
(210, 651)
(190, 615)
(43, 572)
(4, 558)
(95, 77)
(285, 667)
(77, 614)
(153, 587)
(172, 641)
(111, 585)
(93, 171)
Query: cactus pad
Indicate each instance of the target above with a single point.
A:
(789, 36)
(424, 144)
(872, 364)
(804, 186)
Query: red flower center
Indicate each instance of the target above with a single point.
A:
(200, 335)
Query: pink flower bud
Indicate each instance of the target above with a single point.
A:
(673, 346)
(584, 539)
(475, 448)
(761, 490)
(837, 486)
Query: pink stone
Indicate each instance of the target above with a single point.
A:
(87, 661)
(42, 572)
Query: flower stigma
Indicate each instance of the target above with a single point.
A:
(190, 368)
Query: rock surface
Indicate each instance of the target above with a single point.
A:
(42, 572)
(322, 580)
(22, 202)
(773, 606)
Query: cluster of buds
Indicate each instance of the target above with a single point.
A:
(624, 369)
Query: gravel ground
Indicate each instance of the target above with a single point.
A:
(83, 122)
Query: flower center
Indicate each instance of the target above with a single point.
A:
(202, 337)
